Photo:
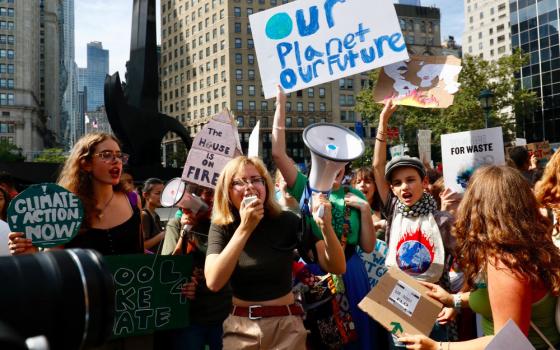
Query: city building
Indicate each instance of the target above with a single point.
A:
(450, 47)
(97, 121)
(93, 76)
(208, 63)
(410, 2)
(68, 76)
(487, 29)
(534, 30)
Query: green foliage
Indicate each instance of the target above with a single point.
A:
(51, 155)
(465, 113)
(10, 153)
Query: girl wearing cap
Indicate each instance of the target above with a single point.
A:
(350, 220)
(511, 266)
(418, 235)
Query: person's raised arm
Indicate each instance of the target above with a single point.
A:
(380, 151)
(329, 251)
(283, 162)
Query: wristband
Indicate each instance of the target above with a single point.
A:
(457, 301)
(380, 140)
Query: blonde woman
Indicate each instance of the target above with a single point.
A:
(251, 244)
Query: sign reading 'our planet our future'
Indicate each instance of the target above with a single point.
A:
(306, 43)
(47, 213)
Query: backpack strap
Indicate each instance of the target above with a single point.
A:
(543, 337)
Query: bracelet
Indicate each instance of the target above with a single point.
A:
(381, 132)
(380, 140)
(278, 127)
(457, 301)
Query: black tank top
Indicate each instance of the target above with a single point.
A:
(125, 238)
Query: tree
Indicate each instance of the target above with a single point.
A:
(10, 153)
(51, 155)
(465, 113)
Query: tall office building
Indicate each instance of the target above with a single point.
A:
(208, 63)
(94, 75)
(410, 2)
(68, 75)
(534, 29)
(487, 29)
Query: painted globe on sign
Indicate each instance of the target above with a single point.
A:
(414, 258)
(279, 26)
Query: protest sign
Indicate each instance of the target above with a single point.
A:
(309, 42)
(212, 148)
(423, 81)
(47, 213)
(254, 141)
(510, 337)
(463, 152)
(374, 261)
(425, 145)
(148, 293)
(541, 150)
(400, 304)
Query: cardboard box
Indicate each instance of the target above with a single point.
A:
(400, 304)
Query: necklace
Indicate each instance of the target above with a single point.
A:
(100, 215)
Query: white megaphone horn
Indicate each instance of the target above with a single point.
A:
(332, 146)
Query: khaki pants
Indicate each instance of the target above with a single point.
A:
(271, 333)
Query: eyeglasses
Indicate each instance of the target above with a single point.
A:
(110, 156)
(242, 183)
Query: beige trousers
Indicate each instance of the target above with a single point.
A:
(271, 333)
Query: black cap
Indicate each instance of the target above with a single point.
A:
(404, 161)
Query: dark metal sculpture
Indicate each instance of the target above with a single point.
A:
(134, 118)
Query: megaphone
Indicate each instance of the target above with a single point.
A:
(332, 146)
(175, 194)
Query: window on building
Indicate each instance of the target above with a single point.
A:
(251, 90)
(299, 122)
(250, 44)
(299, 107)
(237, 43)
(321, 92)
(239, 105)
(240, 120)
(310, 92)
(288, 122)
(236, 12)
(250, 59)
(252, 121)
(264, 106)
(239, 90)
(239, 74)
(238, 58)
(237, 27)
(322, 107)
(311, 107)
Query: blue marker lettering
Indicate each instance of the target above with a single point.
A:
(328, 45)
(306, 76)
(379, 44)
(288, 78)
(315, 75)
(349, 41)
(310, 53)
(332, 60)
(283, 49)
(313, 26)
(296, 51)
(368, 54)
(329, 4)
(362, 32)
(394, 39)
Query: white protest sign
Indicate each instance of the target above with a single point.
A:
(510, 337)
(254, 141)
(212, 148)
(425, 145)
(374, 262)
(309, 42)
(463, 152)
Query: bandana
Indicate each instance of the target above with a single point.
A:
(426, 205)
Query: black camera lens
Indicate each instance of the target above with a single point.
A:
(65, 295)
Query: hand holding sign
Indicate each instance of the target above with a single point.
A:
(47, 214)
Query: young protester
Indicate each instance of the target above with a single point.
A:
(547, 191)
(351, 221)
(251, 244)
(284, 198)
(111, 225)
(364, 181)
(127, 183)
(418, 235)
(511, 266)
(152, 228)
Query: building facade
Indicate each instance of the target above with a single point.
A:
(208, 63)
(534, 29)
(68, 76)
(487, 31)
(94, 75)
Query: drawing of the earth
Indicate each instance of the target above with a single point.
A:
(413, 257)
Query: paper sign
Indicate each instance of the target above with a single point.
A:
(47, 213)
(212, 148)
(423, 81)
(425, 145)
(309, 42)
(400, 304)
(462, 153)
(254, 141)
(520, 142)
(374, 262)
(148, 293)
(404, 298)
(541, 150)
(510, 337)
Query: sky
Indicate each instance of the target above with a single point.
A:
(109, 21)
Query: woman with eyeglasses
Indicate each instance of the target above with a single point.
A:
(251, 244)
(111, 225)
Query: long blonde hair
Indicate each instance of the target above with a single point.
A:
(224, 212)
(547, 190)
(75, 179)
(498, 219)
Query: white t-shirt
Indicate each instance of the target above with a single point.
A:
(4, 231)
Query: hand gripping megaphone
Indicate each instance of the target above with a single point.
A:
(332, 146)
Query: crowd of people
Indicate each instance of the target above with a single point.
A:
(254, 286)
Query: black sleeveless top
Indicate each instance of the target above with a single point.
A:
(125, 238)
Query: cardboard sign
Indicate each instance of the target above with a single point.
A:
(541, 150)
(510, 337)
(374, 262)
(424, 81)
(463, 152)
(47, 213)
(425, 145)
(400, 304)
(212, 148)
(310, 42)
(148, 293)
